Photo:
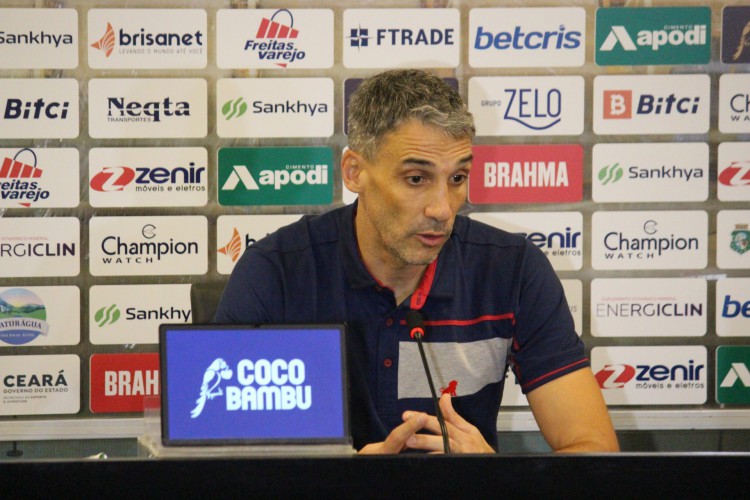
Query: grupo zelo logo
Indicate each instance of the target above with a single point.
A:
(653, 35)
(22, 316)
(651, 104)
(378, 38)
(260, 384)
(735, 34)
(518, 37)
(137, 38)
(275, 176)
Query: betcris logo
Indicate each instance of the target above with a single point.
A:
(131, 314)
(39, 39)
(274, 39)
(650, 172)
(527, 174)
(527, 37)
(733, 307)
(653, 35)
(160, 245)
(734, 103)
(405, 38)
(234, 233)
(36, 108)
(649, 240)
(274, 107)
(651, 104)
(148, 177)
(657, 375)
(559, 235)
(733, 239)
(276, 388)
(39, 178)
(733, 167)
(148, 108)
(735, 35)
(275, 176)
(147, 38)
(521, 106)
(120, 382)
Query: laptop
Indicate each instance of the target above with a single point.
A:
(225, 385)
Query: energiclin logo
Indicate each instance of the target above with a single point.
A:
(261, 385)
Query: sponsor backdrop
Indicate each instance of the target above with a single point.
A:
(144, 147)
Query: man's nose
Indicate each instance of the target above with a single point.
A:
(439, 206)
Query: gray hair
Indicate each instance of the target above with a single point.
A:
(385, 101)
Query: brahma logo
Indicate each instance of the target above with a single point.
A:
(22, 316)
(262, 385)
(119, 382)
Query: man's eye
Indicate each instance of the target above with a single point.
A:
(415, 179)
(459, 178)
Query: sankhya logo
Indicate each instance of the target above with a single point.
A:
(610, 173)
(234, 108)
(263, 385)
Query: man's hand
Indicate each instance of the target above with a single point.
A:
(463, 437)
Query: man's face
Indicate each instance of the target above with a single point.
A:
(410, 194)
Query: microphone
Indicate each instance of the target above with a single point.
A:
(415, 323)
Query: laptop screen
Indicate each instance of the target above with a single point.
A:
(234, 384)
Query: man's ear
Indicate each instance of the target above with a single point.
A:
(351, 168)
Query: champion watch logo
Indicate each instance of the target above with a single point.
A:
(234, 247)
(107, 42)
(107, 315)
(234, 108)
(212, 377)
(740, 239)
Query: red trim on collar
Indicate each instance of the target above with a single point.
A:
(419, 297)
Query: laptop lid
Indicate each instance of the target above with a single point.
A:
(253, 384)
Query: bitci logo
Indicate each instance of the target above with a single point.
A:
(618, 104)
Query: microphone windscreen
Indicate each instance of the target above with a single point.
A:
(415, 322)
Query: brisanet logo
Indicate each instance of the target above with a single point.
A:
(120, 382)
(733, 374)
(147, 38)
(275, 176)
(148, 108)
(735, 34)
(47, 384)
(733, 166)
(733, 307)
(734, 103)
(650, 172)
(40, 246)
(34, 108)
(733, 239)
(159, 245)
(148, 177)
(527, 37)
(527, 174)
(653, 35)
(39, 178)
(402, 38)
(557, 234)
(648, 307)
(234, 233)
(659, 375)
(274, 39)
(131, 314)
(274, 107)
(40, 315)
(651, 104)
(511, 106)
(649, 240)
(38, 38)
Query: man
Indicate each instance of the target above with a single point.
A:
(489, 298)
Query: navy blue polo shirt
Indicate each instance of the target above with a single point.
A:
(490, 300)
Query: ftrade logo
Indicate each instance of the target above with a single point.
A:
(653, 35)
(733, 165)
(650, 240)
(521, 106)
(235, 233)
(734, 103)
(379, 38)
(735, 34)
(650, 172)
(136, 38)
(733, 239)
(275, 176)
(119, 382)
(521, 37)
(262, 384)
(22, 316)
(527, 174)
(733, 374)
(659, 375)
(646, 104)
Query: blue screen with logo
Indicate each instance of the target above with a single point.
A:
(223, 385)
